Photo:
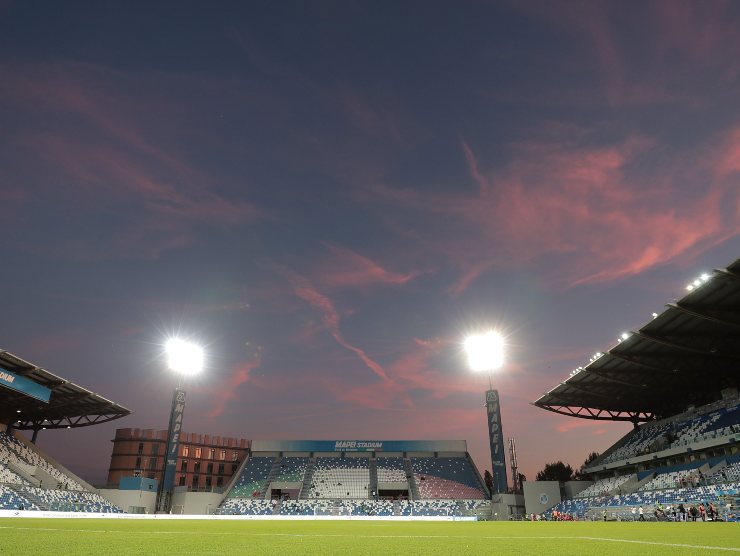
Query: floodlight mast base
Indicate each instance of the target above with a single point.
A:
(169, 464)
(496, 441)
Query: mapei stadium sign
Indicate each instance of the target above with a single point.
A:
(348, 445)
(24, 385)
(359, 446)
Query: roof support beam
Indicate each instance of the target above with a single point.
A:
(598, 414)
(728, 273)
(666, 342)
(694, 312)
(632, 361)
(603, 374)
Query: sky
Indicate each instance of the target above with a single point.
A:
(331, 195)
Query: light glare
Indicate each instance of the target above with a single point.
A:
(184, 357)
(485, 351)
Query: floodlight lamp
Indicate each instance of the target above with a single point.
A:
(690, 287)
(485, 351)
(183, 357)
(624, 335)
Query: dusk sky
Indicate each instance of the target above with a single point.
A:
(330, 195)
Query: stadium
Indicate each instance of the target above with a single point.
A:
(675, 379)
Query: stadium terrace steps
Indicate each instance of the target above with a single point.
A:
(253, 478)
(446, 477)
(307, 478)
(356, 507)
(32, 497)
(716, 423)
(373, 476)
(413, 485)
(716, 494)
(12, 499)
(340, 477)
(611, 485)
(18, 459)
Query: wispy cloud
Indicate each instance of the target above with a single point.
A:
(592, 206)
(229, 390)
(344, 268)
(116, 160)
(303, 288)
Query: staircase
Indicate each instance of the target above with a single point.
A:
(307, 478)
(413, 487)
(274, 470)
(373, 479)
(32, 498)
(276, 507)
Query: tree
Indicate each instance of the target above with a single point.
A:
(488, 479)
(581, 475)
(520, 483)
(557, 471)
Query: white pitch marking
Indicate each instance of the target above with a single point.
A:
(340, 535)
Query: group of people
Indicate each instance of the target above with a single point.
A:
(702, 511)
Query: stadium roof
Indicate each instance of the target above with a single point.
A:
(684, 356)
(69, 405)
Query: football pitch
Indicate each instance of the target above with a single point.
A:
(114, 537)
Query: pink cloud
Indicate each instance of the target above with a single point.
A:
(595, 428)
(586, 204)
(330, 317)
(347, 269)
(229, 391)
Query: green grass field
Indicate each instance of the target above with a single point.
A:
(103, 537)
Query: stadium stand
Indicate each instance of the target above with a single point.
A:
(358, 478)
(64, 493)
(390, 470)
(291, 469)
(452, 478)
(252, 481)
(605, 486)
(340, 477)
(676, 380)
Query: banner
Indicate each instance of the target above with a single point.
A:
(24, 386)
(359, 446)
(496, 439)
(173, 439)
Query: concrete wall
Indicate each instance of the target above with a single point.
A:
(540, 495)
(574, 487)
(506, 506)
(195, 503)
(128, 499)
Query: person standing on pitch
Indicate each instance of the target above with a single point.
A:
(642, 514)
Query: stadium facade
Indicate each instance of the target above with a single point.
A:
(676, 379)
(203, 461)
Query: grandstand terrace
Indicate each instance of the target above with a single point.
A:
(676, 379)
(353, 478)
(34, 399)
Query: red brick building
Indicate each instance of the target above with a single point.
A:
(204, 461)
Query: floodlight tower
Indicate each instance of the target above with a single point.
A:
(184, 359)
(486, 354)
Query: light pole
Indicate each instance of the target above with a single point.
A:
(184, 359)
(486, 354)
